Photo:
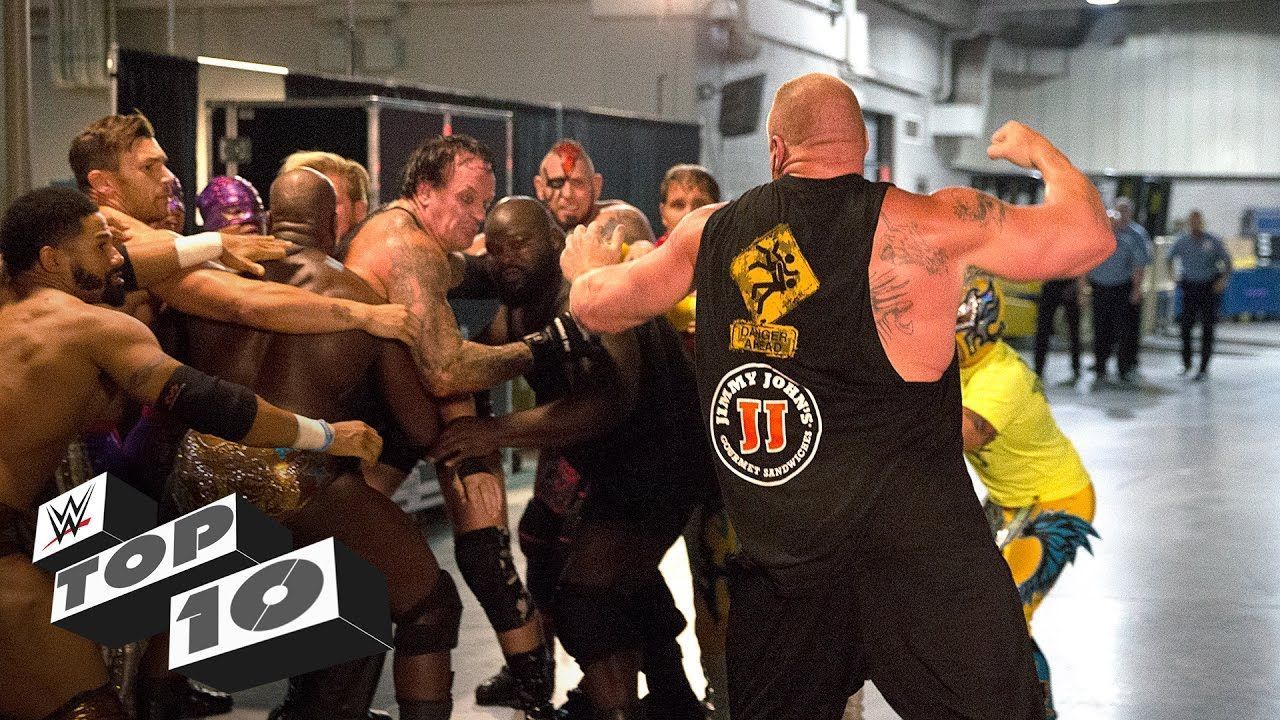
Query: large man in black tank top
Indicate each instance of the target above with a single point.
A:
(826, 366)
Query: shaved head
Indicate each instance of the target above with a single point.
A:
(304, 208)
(568, 155)
(522, 211)
(524, 241)
(815, 118)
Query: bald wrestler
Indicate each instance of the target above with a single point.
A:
(626, 429)
(827, 370)
(407, 252)
(568, 184)
(62, 360)
(338, 376)
(349, 178)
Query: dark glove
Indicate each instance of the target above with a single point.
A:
(562, 340)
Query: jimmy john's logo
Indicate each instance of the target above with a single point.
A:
(773, 277)
(765, 426)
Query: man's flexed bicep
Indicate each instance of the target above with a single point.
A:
(1019, 242)
(418, 277)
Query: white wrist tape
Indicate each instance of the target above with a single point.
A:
(196, 249)
(313, 434)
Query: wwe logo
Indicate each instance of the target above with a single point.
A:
(70, 519)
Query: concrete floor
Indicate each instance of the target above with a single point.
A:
(1178, 616)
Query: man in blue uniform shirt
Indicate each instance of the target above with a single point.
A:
(1117, 294)
(1206, 267)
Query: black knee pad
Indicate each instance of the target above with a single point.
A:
(432, 625)
(593, 622)
(484, 559)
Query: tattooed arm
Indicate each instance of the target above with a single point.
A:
(275, 307)
(126, 351)
(417, 275)
(1065, 236)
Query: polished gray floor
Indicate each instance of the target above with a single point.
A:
(1178, 615)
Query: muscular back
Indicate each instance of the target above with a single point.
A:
(336, 376)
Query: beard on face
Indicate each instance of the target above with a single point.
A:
(109, 288)
(532, 281)
(86, 280)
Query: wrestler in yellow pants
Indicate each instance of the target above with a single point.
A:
(1038, 542)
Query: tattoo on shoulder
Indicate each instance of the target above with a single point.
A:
(905, 244)
(982, 209)
(890, 303)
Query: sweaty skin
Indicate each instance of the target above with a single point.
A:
(922, 245)
(62, 361)
(337, 376)
(403, 252)
(405, 264)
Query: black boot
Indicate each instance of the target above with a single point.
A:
(173, 697)
(534, 674)
(341, 692)
(499, 690)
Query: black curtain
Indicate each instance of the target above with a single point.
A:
(631, 153)
(166, 90)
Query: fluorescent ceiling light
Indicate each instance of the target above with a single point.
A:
(1102, 2)
(241, 65)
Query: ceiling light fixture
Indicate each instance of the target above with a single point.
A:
(242, 65)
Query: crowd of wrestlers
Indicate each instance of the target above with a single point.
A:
(303, 353)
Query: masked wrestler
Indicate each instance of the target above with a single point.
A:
(231, 204)
(61, 361)
(1040, 499)
(626, 428)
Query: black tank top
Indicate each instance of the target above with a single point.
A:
(811, 425)
(661, 441)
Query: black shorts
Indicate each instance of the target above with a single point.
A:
(939, 630)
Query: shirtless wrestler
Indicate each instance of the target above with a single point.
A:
(61, 362)
(407, 251)
(336, 376)
(118, 163)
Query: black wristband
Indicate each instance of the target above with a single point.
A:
(209, 404)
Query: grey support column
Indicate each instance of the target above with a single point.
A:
(17, 98)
